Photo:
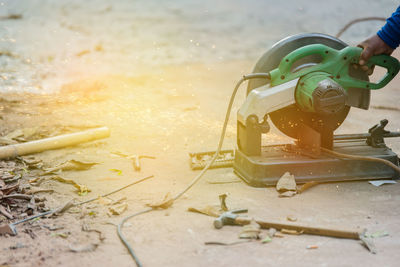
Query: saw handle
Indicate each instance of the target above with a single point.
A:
(389, 63)
(337, 63)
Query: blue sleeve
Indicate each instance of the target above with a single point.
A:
(390, 33)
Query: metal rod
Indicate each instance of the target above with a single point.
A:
(362, 136)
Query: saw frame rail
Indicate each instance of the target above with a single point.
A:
(267, 168)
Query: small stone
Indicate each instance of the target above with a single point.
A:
(286, 183)
(271, 232)
(287, 194)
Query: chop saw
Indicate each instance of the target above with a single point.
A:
(312, 82)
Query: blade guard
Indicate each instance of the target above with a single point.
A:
(336, 63)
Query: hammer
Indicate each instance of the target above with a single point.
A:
(232, 218)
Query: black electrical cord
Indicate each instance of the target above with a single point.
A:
(197, 178)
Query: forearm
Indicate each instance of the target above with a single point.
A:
(390, 33)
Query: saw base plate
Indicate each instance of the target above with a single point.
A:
(275, 160)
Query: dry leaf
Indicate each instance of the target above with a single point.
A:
(87, 228)
(104, 201)
(207, 210)
(83, 248)
(10, 188)
(4, 141)
(82, 189)
(119, 201)
(164, 204)
(272, 232)
(83, 52)
(64, 207)
(267, 239)
(291, 232)
(119, 172)
(218, 243)
(7, 229)
(306, 186)
(38, 190)
(36, 181)
(118, 209)
(32, 162)
(61, 234)
(5, 212)
(71, 165)
(280, 235)
(368, 243)
(14, 134)
(22, 134)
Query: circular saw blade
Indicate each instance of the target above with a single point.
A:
(289, 119)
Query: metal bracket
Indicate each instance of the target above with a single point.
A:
(376, 139)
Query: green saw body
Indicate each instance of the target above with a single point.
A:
(334, 66)
(306, 85)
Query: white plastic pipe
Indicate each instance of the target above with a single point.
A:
(12, 151)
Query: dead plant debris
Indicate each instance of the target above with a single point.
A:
(165, 203)
(82, 190)
(71, 165)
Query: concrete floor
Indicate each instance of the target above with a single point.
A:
(168, 108)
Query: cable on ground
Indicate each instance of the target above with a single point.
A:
(197, 178)
(354, 21)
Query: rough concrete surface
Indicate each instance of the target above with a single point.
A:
(159, 74)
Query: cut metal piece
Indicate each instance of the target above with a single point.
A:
(199, 160)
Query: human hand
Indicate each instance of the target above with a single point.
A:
(371, 47)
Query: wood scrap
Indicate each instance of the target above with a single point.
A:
(82, 189)
(6, 213)
(291, 232)
(212, 211)
(118, 209)
(21, 196)
(306, 186)
(71, 165)
(8, 229)
(165, 203)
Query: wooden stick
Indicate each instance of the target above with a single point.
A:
(304, 229)
(12, 151)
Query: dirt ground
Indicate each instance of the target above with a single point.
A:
(159, 75)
